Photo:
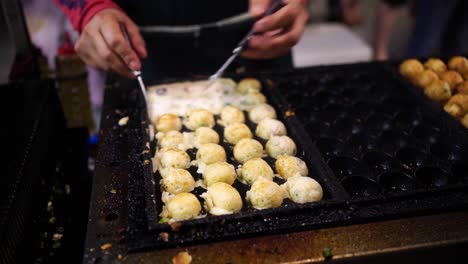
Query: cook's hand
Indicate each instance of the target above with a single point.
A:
(102, 44)
(276, 33)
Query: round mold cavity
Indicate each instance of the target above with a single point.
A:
(411, 157)
(426, 133)
(362, 141)
(328, 116)
(380, 162)
(460, 171)
(347, 126)
(329, 147)
(391, 140)
(345, 166)
(360, 110)
(385, 109)
(315, 128)
(378, 122)
(397, 181)
(407, 119)
(447, 151)
(361, 187)
(432, 176)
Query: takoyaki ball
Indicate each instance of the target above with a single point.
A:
(464, 121)
(302, 189)
(436, 65)
(438, 90)
(459, 64)
(211, 153)
(168, 122)
(230, 115)
(289, 166)
(199, 118)
(410, 68)
(260, 112)
(252, 99)
(221, 199)
(233, 133)
(270, 127)
(457, 105)
(254, 169)
(280, 145)
(265, 194)
(175, 158)
(182, 206)
(453, 78)
(425, 78)
(219, 172)
(463, 87)
(171, 140)
(248, 85)
(205, 135)
(178, 181)
(247, 149)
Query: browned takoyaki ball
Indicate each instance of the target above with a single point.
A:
(453, 78)
(437, 65)
(438, 90)
(457, 105)
(410, 68)
(459, 64)
(425, 78)
(463, 87)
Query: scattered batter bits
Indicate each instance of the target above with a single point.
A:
(444, 83)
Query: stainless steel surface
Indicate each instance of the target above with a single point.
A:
(136, 73)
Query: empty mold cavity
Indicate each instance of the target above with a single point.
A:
(397, 181)
(361, 187)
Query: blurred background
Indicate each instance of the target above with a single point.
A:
(339, 31)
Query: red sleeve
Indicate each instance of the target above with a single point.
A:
(79, 12)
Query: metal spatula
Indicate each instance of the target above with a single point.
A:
(275, 5)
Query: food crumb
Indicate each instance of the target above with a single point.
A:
(289, 113)
(146, 162)
(175, 226)
(57, 236)
(123, 121)
(164, 236)
(182, 258)
(119, 257)
(106, 246)
(113, 191)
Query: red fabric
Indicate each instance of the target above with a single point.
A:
(79, 12)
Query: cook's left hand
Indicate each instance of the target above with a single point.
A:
(277, 33)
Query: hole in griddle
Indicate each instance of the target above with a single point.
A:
(406, 120)
(380, 162)
(411, 157)
(346, 166)
(397, 181)
(111, 217)
(360, 187)
(378, 122)
(447, 151)
(426, 133)
(460, 171)
(432, 176)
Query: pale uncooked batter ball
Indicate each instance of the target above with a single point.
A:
(171, 140)
(230, 115)
(265, 194)
(254, 169)
(219, 172)
(221, 198)
(211, 153)
(248, 85)
(260, 112)
(252, 99)
(247, 149)
(175, 158)
(168, 122)
(199, 118)
(178, 181)
(289, 166)
(183, 206)
(302, 189)
(204, 135)
(270, 127)
(280, 145)
(233, 133)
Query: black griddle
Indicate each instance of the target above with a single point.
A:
(380, 149)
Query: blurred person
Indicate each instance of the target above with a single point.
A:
(102, 45)
(440, 28)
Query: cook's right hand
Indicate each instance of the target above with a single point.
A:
(102, 44)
